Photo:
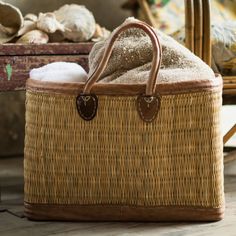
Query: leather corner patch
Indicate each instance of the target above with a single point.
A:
(148, 107)
(87, 106)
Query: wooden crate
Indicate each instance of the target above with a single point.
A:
(17, 60)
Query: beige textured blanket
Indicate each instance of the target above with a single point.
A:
(132, 55)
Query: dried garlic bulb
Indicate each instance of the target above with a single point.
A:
(78, 21)
(48, 23)
(28, 26)
(31, 17)
(101, 33)
(34, 37)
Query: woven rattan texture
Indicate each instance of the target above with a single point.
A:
(119, 159)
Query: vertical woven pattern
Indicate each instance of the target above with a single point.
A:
(119, 159)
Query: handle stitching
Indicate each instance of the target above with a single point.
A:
(154, 116)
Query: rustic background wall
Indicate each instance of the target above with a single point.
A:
(12, 123)
(12, 111)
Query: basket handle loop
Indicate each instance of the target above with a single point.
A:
(148, 104)
(151, 83)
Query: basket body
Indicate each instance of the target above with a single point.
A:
(117, 167)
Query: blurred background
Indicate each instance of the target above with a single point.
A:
(107, 13)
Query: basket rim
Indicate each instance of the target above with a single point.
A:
(75, 88)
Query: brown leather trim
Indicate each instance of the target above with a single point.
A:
(87, 106)
(148, 107)
(120, 213)
(126, 89)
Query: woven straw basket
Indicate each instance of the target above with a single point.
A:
(124, 152)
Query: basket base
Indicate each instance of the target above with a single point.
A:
(55, 212)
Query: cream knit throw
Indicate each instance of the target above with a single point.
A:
(132, 55)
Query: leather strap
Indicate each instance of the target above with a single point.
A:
(151, 83)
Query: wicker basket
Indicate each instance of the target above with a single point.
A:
(131, 152)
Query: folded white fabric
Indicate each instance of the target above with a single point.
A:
(60, 72)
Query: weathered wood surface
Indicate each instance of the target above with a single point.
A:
(11, 177)
(45, 49)
(21, 65)
(229, 99)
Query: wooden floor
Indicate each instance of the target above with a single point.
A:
(11, 177)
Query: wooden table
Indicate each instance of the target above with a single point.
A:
(17, 60)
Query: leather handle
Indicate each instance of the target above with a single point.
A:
(150, 88)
